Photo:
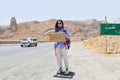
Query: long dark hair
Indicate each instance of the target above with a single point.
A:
(56, 25)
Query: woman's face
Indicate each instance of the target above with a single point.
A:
(59, 24)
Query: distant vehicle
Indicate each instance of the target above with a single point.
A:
(28, 42)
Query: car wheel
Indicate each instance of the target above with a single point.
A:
(21, 45)
(29, 45)
(36, 44)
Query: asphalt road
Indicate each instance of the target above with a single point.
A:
(39, 63)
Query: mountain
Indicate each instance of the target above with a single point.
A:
(79, 30)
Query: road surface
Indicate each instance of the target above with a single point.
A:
(39, 63)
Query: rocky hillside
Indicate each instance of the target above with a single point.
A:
(79, 30)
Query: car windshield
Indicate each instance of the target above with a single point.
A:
(31, 39)
(24, 39)
(34, 39)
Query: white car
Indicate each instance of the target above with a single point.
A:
(28, 42)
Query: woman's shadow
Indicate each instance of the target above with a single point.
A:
(63, 75)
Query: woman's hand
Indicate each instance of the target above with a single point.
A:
(66, 37)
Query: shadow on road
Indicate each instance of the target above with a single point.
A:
(63, 75)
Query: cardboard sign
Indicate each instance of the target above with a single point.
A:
(57, 37)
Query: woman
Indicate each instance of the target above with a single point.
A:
(60, 47)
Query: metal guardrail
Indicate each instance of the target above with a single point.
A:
(9, 42)
(16, 42)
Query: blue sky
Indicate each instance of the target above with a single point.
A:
(29, 10)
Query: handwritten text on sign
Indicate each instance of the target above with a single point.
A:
(57, 37)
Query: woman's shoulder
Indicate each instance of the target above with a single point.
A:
(65, 28)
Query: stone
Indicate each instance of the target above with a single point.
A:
(13, 24)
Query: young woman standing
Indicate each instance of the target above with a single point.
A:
(61, 49)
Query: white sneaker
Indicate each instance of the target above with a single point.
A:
(66, 71)
(59, 70)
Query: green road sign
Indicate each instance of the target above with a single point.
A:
(109, 29)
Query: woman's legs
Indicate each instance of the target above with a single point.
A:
(59, 59)
(62, 53)
(59, 56)
(65, 57)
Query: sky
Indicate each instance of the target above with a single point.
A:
(40, 10)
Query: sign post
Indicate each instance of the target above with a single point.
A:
(106, 36)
